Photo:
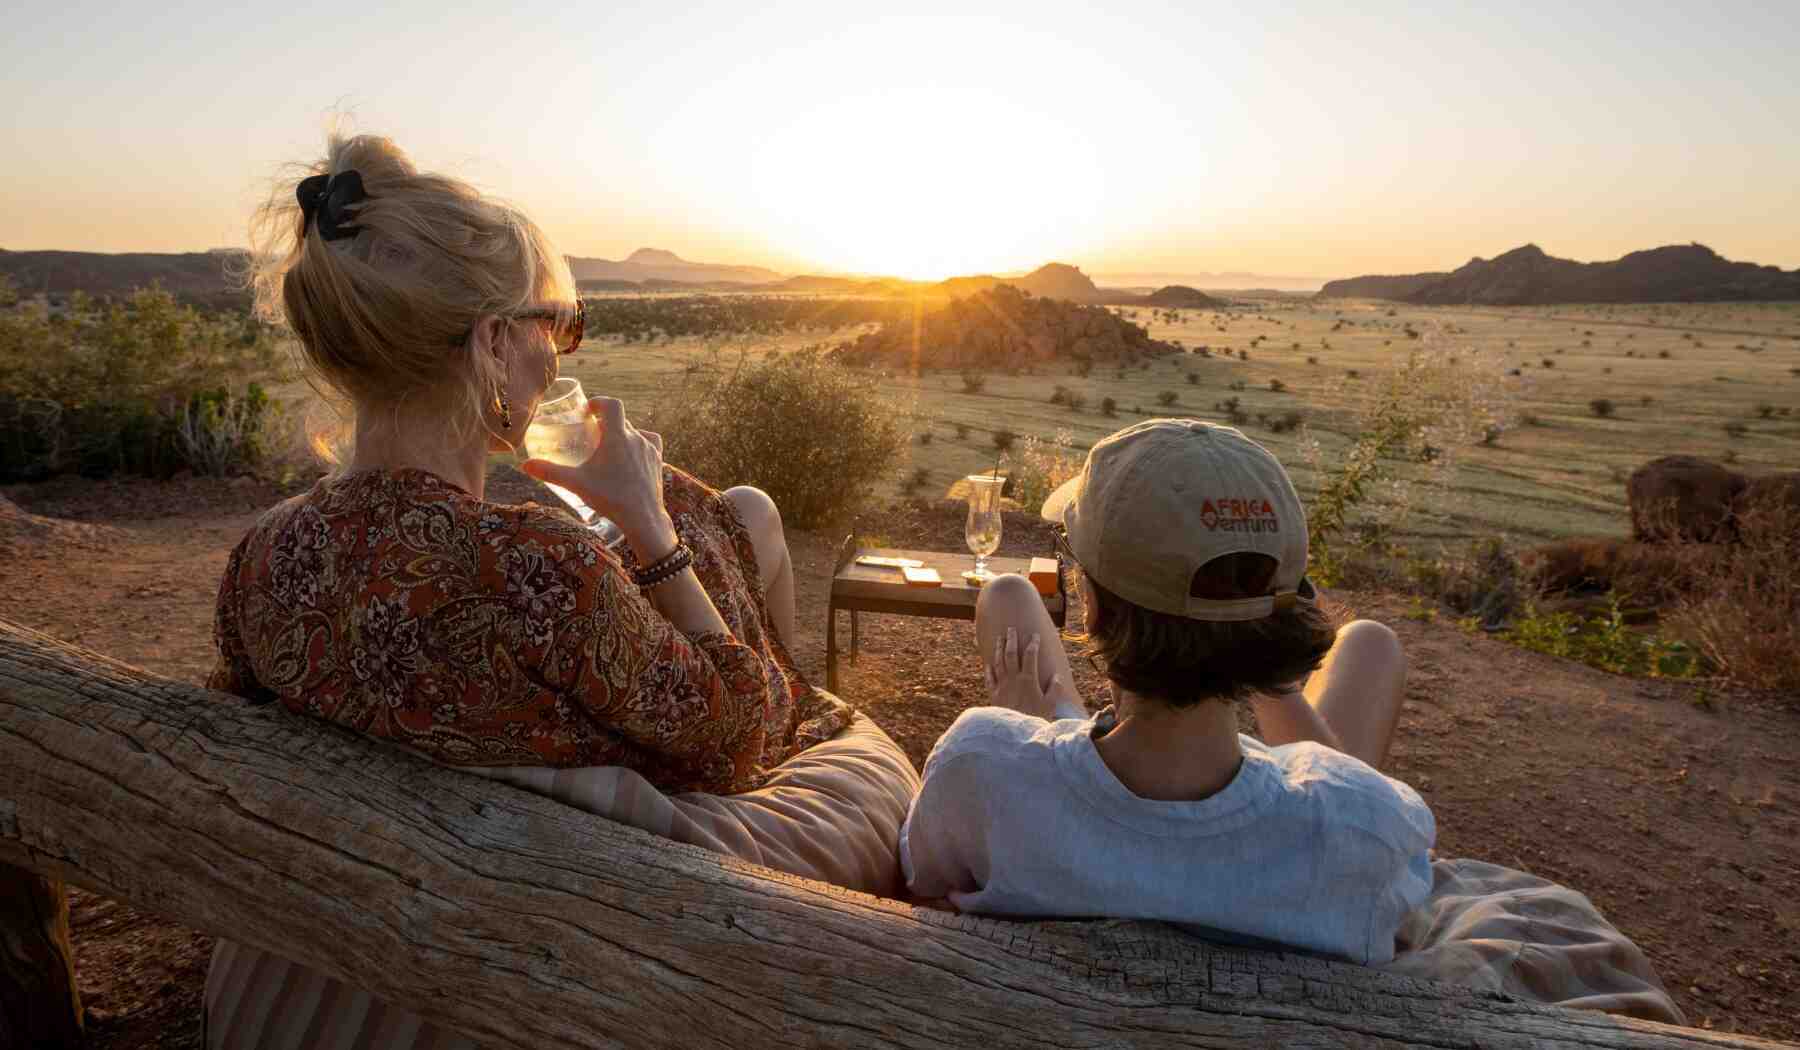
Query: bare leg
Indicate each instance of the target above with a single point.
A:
(1011, 601)
(773, 562)
(1359, 688)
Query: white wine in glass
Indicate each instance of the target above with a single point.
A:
(563, 431)
(982, 529)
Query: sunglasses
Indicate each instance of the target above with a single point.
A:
(554, 317)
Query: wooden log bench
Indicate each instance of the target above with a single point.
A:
(527, 924)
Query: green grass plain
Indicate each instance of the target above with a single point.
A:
(1562, 475)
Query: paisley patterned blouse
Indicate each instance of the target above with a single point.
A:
(483, 634)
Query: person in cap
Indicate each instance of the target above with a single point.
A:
(1191, 547)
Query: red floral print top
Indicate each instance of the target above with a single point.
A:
(484, 634)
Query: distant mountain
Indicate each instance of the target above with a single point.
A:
(1528, 276)
(1049, 281)
(814, 284)
(1378, 286)
(1236, 281)
(194, 277)
(654, 264)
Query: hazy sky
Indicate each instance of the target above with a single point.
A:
(1319, 139)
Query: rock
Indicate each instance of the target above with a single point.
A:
(1683, 497)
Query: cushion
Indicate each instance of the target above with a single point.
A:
(832, 812)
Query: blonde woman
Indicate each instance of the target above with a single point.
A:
(392, 599)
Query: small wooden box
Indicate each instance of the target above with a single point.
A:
(1044, 576)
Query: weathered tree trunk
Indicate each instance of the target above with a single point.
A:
(526, 924)
(40, 1008)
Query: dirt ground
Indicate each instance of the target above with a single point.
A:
(1674, 806)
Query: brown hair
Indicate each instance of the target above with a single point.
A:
(383, 317)
(1181, 661)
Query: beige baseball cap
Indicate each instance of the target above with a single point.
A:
(1157, 500)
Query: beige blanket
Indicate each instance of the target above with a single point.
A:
(1506, 931)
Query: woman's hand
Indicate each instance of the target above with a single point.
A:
(1012, 678)
(621, 480)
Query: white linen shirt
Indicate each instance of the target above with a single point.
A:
(1307, 847)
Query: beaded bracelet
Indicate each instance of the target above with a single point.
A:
(669, 567)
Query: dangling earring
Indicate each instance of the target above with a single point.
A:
(505, 409)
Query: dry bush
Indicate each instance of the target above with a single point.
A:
(1485, 582)
(815, 436)
(1040, 467)
(1745, 614)
(1640, 573)
(140, 385)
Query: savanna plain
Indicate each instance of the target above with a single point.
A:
(1624, 763)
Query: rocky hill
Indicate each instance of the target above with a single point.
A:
(1528, 276)
(1180, 295)
(1003, 328)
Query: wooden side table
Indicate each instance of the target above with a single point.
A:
(868, 588)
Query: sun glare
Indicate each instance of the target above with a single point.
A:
(925, 186)
(913, 147)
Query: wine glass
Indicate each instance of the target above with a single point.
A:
(982, 529)
(564, 431)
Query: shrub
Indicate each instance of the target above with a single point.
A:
(1312, 360)
(1193, 379)
(221, 435)
(1277, 385)
(1548, 363)
(1075, 402)
(973, 382)
(925, 437)
(1003, 439)
(1289, 420)
(1041, 467)
(1424, 410)
(1735, 429)
(1109, 406)
(1060, 395)
(1167, 398)
(1764, 410)
(962, 431)
(1602, 407)
(815, 436)
(1486, 583)
(139, 385)
(1606, 642)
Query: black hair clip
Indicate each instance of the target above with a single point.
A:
(324, 198)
